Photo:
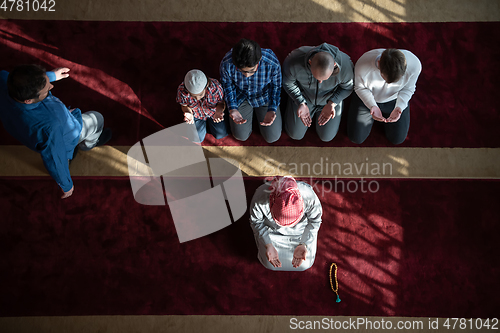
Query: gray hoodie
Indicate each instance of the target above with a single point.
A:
(301, 85)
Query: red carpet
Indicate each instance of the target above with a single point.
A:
(130, 71)
(415, 248)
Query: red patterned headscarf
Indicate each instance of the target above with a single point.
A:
(285, 201)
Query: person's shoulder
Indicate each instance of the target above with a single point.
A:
(304, 185)
(4, 75)
(325, 47)
(269, 57)
(412, 61)
(214, 87)
(297, 57)
(268, 53)
(226, 65)
(300, 51)
(261, 195)
(306, 190)
(366, 63)
(182, 92)
(53, 103)
(408, 54)
(57, 111)
(181, 87)
(215, 83)
(372, 54)
(343, 57)
(346, 65)
(228, 58)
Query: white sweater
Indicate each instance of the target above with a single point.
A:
(371, 87)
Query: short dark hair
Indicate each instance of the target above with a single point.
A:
(25, 82)
(392, 64)
(246, 53)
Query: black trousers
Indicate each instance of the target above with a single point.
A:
(360, 121)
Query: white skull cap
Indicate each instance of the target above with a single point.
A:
(195, 81)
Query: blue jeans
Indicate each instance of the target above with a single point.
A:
(218, 130)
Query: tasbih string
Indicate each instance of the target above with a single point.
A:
(336, 289)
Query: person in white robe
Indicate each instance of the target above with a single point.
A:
(285, 217)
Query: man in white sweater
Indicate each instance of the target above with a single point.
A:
(384, 81)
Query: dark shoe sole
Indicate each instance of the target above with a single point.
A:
(104, 137)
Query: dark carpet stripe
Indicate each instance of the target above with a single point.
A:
(415, 248)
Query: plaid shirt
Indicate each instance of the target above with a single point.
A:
(262, 88)
(204, 108)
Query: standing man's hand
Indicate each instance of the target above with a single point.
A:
(61, 73)
(299, 255)
(269, 118)
(304, 114)
(395, 115)
(69, 193)
(272, 255)
(237, 117)
(327, 113)
(377, 114)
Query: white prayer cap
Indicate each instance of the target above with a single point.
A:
(195, 81)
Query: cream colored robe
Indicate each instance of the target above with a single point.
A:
(286, 239)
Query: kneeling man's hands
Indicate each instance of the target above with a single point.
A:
(395, 115)
(188, 118)
(237, 117)
(272, 255)
(304, 114)
(377, 114)
(61, 73)
(326, 114)
(218, 116)
(299, 255)
(269, 118)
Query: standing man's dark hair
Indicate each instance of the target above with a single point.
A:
(392, 64)
(246, 53)
(25, 82)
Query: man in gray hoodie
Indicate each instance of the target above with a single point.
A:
(317, 80)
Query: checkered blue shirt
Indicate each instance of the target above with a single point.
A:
(262, 88)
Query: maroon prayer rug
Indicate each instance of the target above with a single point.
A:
(415, 248)
(129, 71)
